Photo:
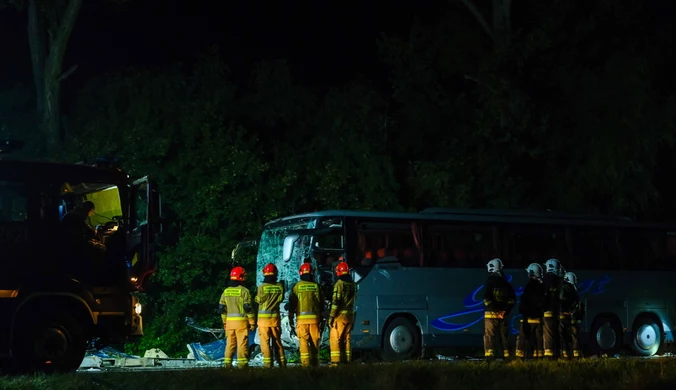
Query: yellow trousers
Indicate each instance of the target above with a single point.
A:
(308, 343)
(237, 340)
(341, 351)
(271, 342)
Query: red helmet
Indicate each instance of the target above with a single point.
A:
(305, 268)
(238, 273)
(270, 270)
(342, 269)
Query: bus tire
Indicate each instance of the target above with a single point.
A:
(401, 340)
(606, 336)
(646, 336)
(49, 342)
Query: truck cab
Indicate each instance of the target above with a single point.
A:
(70, 271)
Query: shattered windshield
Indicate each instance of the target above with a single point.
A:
(272, 243)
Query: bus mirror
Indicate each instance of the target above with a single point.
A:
(289, 242)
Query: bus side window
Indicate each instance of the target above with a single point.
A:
(13, 205)
(669, 257)
(378, 240)
(637, 250)
(459, 246)
(526, 244)
(596, 249)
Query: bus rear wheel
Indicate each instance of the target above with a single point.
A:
(646, 336)
(606, 336)
(401, 340)
(49, 342)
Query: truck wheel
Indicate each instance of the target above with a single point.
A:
(401, 340)
(48, 342)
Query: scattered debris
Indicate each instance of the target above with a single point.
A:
(155, 353)
(91, 362)
(442, 357)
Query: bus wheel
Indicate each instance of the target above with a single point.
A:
(49, 342)
(401, 340)
(606, 336)
(646, 335)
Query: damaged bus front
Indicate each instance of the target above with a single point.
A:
(288, 243)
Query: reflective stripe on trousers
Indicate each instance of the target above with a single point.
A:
(267, 314)
(307, 315)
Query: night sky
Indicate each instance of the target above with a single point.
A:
(327, 42)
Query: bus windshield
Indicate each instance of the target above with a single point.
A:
(272, 243)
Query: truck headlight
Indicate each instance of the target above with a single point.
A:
(138, 308)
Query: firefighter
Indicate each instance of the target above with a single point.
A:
(570, 317)
(268, 297)
(530, 308)
(341, 316)
(499, 299)
(238, 318)
(305, 304)
(552, 307)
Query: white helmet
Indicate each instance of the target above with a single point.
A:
(494, 265)
(534, 270)
(570, 278)
(553, 266)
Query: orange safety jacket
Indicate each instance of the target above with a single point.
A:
(268, 298)
(342, 302)
(305, 302)
(236, 304)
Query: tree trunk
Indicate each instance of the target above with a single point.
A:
(48, 68)
(502, 23)
(36, 42)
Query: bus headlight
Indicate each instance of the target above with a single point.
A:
(138, 308)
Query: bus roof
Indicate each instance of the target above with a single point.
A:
(482, 215)
(22, 171)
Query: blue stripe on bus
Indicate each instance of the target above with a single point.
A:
(475, 306)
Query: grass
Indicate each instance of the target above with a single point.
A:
(653, 374)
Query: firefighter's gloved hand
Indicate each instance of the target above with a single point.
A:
(332, 321)
(501, 314)
(252, 327)
(225, 327)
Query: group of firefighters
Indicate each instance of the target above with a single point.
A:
(550, 309)
(550, 312)
(305, 307)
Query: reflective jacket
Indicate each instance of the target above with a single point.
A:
(553, 293)
(305, 303)
(235, 305)
(268, 298)
(499, 296)
(533, 299)
(342, 301)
